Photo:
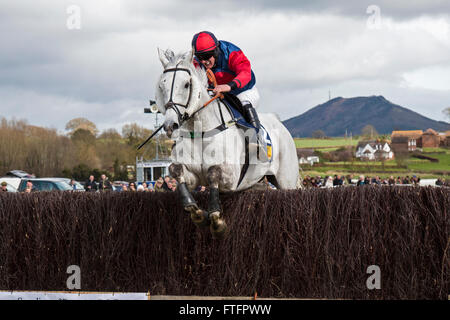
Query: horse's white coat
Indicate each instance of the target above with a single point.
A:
(226, 148)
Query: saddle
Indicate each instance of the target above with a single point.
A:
(234, 105)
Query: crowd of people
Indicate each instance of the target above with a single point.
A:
(166, 184)
(340, 180)
(169, 184)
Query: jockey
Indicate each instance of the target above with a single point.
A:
(233, 74)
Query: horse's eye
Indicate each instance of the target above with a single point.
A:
(186, 85)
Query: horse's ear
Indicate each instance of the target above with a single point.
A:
(165, 56)
(188, 56)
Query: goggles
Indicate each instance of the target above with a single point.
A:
(204, 55)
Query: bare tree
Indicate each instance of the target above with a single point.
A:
(318, 134)
(81, 123)
(369, 132)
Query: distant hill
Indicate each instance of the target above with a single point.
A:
(335, 116)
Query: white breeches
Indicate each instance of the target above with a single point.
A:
(250, 95)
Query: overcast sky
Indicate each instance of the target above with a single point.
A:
(105, 71)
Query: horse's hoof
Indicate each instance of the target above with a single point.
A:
(218, 226)
(191, 207)
(199, 218)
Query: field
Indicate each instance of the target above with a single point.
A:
(410, 166)
(425, 165)
(329, 143)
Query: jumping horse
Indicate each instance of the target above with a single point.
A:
(211, 148)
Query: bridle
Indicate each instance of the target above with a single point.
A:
(173, 105)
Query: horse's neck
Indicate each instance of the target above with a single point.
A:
(210, 116)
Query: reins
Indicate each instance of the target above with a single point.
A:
(212, 78)
(172, 105)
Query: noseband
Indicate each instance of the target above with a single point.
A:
(173, 105)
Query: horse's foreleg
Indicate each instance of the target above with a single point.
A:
(218, 225)
(187, 200)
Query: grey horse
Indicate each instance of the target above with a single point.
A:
(210, 149)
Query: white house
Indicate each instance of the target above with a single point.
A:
(372, 150)
(310, 160)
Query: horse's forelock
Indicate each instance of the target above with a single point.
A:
(181, 61)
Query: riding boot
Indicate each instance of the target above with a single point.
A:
(258, 142)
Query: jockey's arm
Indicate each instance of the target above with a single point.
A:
(239, 63)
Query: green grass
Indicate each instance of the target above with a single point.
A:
(419, 167)
(425, 165)
(324, 143)
(422, 168)
(356, 163)
(435, 150)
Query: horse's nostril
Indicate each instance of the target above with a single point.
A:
(175, 126)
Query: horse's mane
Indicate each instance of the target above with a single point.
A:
(181, 60)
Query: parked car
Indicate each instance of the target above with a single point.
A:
(12, 181)
(9, 187)
(19, 174)
(45, 184)
(78, 186)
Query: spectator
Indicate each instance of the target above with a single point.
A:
(174, 184)
(319, 181)
(305, 182)
(104, 183)
(166, 183)
(140, 188)
(4, 187)
(159, 185)
(73, 184)
(132, 186)
(144, 185)
(375, 180)
(337, 181)
(349, 179)
(329, 182)
(200, 189)
(29, 187)
(391, 181)
(361, 181)
(124, 187)
(90, 185)
(268, 184)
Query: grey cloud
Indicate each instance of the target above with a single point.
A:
(400, 9)
(396, 9)
(107, 70)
